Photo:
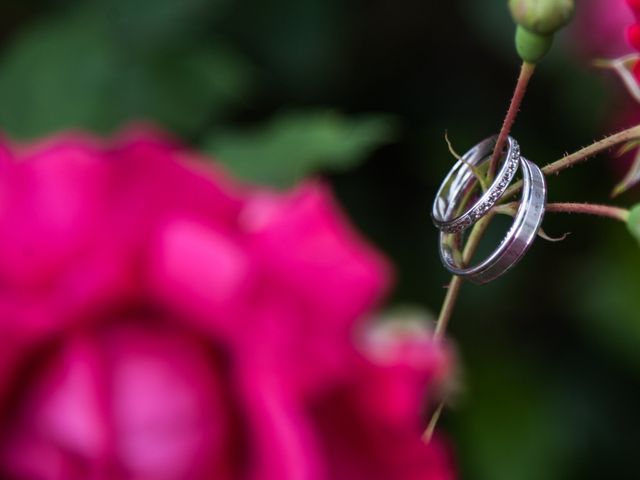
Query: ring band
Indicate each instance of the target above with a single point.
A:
(519, 237)
(461, 180)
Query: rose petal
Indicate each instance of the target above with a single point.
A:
(283, 442)
(63, 418)
(304, 242)
(169, 415)
(633, 36)
(55, 194)
(200, 273)
(634, 5)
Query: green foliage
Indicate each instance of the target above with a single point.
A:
(78, 71)
(54, 76)
(512, 427)
(294, 145)
(149, 24)
(633, 222)
(608, 303)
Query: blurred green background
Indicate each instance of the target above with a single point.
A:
(362, 92)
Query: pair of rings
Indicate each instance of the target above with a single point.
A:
(452, 196)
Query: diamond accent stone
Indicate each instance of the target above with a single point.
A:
(510, 165)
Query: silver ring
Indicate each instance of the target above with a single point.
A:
(461, 180)
(519, 237)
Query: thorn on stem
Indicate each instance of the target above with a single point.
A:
(542, 234)
(451, 150)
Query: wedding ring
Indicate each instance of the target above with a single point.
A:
(461, 179)
(518, 239)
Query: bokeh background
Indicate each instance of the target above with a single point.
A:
(361, 92)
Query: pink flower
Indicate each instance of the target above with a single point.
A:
(598, 28)
(159, 321)
(633, 34)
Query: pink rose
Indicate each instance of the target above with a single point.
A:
(159, 321)
(599, 28)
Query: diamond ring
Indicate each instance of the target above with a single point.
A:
(516, 242)
(461, 180)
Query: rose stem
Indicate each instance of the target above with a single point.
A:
(428, 433)
(581, 155)
(526, 71)
(607, 211)
(553, 168)
(453, 291)
(621, 214)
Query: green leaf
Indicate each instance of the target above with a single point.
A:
(294, 145)
(182, 89)
(73, 71)
(57, 75)
(145, 24)
(633, 222)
